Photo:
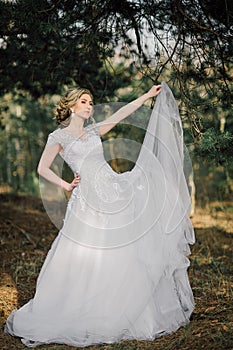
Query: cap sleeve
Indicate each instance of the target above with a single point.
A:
(53, 139)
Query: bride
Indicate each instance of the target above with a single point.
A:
(118, 268)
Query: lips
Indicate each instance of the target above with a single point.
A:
(85, 111)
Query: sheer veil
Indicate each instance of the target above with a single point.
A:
(164, 139)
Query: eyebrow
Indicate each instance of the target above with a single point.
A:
(84, 99)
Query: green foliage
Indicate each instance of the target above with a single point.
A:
(59, 43)
(48, 43)
(217, 146)
(25, 124)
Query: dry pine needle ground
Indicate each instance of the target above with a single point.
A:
(27, 233)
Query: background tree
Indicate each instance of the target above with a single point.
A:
(48, 44)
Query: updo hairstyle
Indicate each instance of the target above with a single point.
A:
(63, 112)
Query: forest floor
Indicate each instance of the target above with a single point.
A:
(27, 233)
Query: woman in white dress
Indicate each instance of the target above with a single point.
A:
(118, 268)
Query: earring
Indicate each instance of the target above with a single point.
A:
(72, 114)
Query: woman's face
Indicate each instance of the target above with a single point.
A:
(83, 107)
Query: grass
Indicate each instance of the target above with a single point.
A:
(27, 233)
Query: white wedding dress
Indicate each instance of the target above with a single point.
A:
(118, 267)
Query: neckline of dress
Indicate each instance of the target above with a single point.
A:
(81, 137)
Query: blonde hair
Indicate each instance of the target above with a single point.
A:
(63, 112)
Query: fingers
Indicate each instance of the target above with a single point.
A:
(155, 90)
(75, 182)
(77, 177)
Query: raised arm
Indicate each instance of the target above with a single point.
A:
(125, 111)
(44, 170)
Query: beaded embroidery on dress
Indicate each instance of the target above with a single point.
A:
(118, 267)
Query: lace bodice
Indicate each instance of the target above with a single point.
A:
(99, 184)
(76, 149)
